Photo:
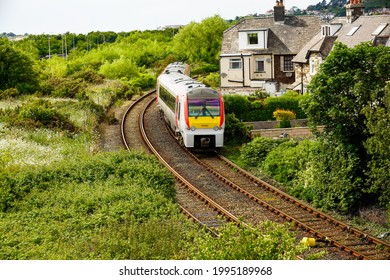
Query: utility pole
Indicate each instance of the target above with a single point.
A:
(66, 48)
(49, 45)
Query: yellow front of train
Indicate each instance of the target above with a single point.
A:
(205, 119)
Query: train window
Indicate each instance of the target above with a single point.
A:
(203, 107)
(168, 98)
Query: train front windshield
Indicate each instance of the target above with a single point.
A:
(203, 108)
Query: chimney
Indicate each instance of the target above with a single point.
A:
(354, 9)
(279, 11)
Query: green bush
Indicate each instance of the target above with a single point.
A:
(236, 104)
(262, 110)
(64, 87)
(37, 114)
(284, 162)
(286, 103)
(9, 93)
(211, 80)
(328, 178)
(16, 69)
(317, 171)
(119, 68)
(143, 81)
(110, 206)
(254, 153)
(235, 130)
(266, 241)
(88, 75)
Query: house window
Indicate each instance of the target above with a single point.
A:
(312, 67)
(253, 39)
(325, 30)
(235, 63)
(379, 29)
(259, 65)
(288, 64)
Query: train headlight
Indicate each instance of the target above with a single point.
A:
(193, 128)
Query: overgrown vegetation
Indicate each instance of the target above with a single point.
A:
(262, 109)
(343, 168)
(61, 197)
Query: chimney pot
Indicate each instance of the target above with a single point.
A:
(279, 11)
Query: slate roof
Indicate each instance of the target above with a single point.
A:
(365, 33)
(368, 24)
(284, 38)
(318, 44)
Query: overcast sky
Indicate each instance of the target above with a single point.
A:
(83, 16)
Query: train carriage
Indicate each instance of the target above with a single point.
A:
(193, 111)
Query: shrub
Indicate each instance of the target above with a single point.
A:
(119, 68)
(284, 162)
(259, 94)
(89, 75)
(286, 103)
(16, 69)
(284, 116)
(64, 87)
(37, 114)
(254, 153)
(266, 241)
(110, 206)
(9, 93)
(211, 80)
(235, 130)
(329, 178)
(236, 104)
(143, 81)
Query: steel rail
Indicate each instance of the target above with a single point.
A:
(124, 140)
(305, 206)
(180, 178)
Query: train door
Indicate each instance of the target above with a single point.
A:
(177, 114)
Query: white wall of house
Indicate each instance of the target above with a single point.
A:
(255, 71)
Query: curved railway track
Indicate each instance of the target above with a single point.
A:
(192, 203)
(224, 189)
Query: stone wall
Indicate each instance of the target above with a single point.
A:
(295, 132)
(275, 124)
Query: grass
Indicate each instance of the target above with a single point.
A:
(39, 147)
(60, 198)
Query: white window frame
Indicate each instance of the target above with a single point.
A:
(235, 63)
(244, 39)
(257, 65)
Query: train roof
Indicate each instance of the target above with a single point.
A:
(180, 84)
(179, 67)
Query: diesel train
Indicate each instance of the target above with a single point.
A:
(193, 111)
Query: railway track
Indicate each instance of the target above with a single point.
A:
(193, 203)
(229, 191)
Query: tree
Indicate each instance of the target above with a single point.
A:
(349, 80)
(16, 69)
(378, 146)
(348, 96)
(200, 42)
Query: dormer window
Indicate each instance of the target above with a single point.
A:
(253, 39)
